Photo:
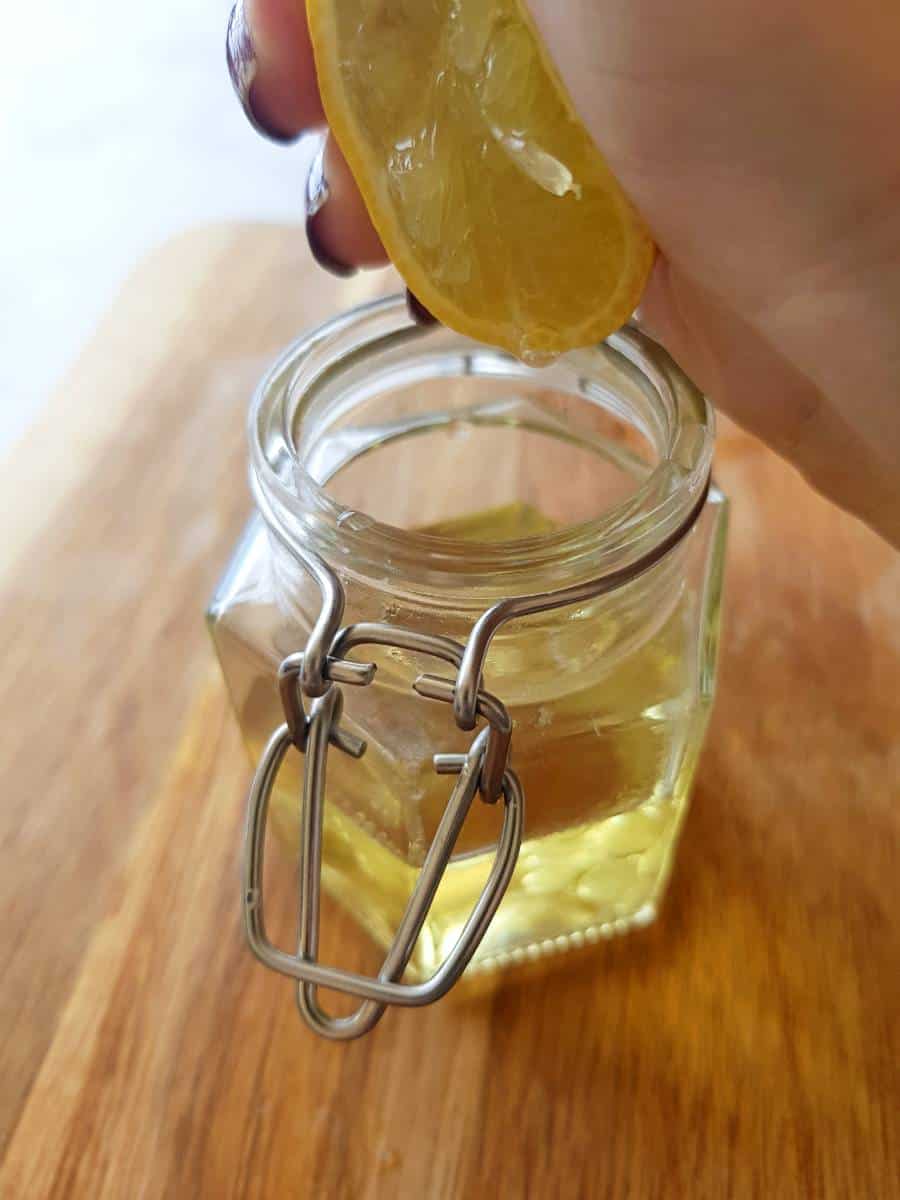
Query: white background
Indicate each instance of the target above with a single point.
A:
(117, 129)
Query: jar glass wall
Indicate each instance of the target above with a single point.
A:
(437, 476)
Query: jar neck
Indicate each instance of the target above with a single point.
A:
(301, 434)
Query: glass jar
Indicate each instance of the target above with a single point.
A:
(437, 477)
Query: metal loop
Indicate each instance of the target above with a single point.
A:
(499, 733)
(303, 966)
(290, 686)
(323, 721)
(379, 633)
(370, 1012)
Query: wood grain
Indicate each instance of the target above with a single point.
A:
(745, 1046)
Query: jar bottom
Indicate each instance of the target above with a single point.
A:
(569, 889)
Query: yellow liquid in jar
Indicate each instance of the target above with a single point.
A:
(606, 763)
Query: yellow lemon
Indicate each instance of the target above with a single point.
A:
(485, 188)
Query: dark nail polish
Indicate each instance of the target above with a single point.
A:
(418, 311)
(317, 194)
(242, 67)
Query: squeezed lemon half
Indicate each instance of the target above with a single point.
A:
(485, 188)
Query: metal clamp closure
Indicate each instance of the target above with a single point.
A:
(313, 735)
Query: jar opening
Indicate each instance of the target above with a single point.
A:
(488, 473)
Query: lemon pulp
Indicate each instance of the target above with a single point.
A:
(485, 188)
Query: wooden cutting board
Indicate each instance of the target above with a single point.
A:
(747, 1045)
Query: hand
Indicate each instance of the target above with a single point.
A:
(759, 143)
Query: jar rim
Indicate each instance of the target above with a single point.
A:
(297, 501)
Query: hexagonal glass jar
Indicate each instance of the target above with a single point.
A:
(436, 476)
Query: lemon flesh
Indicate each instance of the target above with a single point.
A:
(485, 188)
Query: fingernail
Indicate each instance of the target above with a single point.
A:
(242, 68)
(317, 194)
(417, 310)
